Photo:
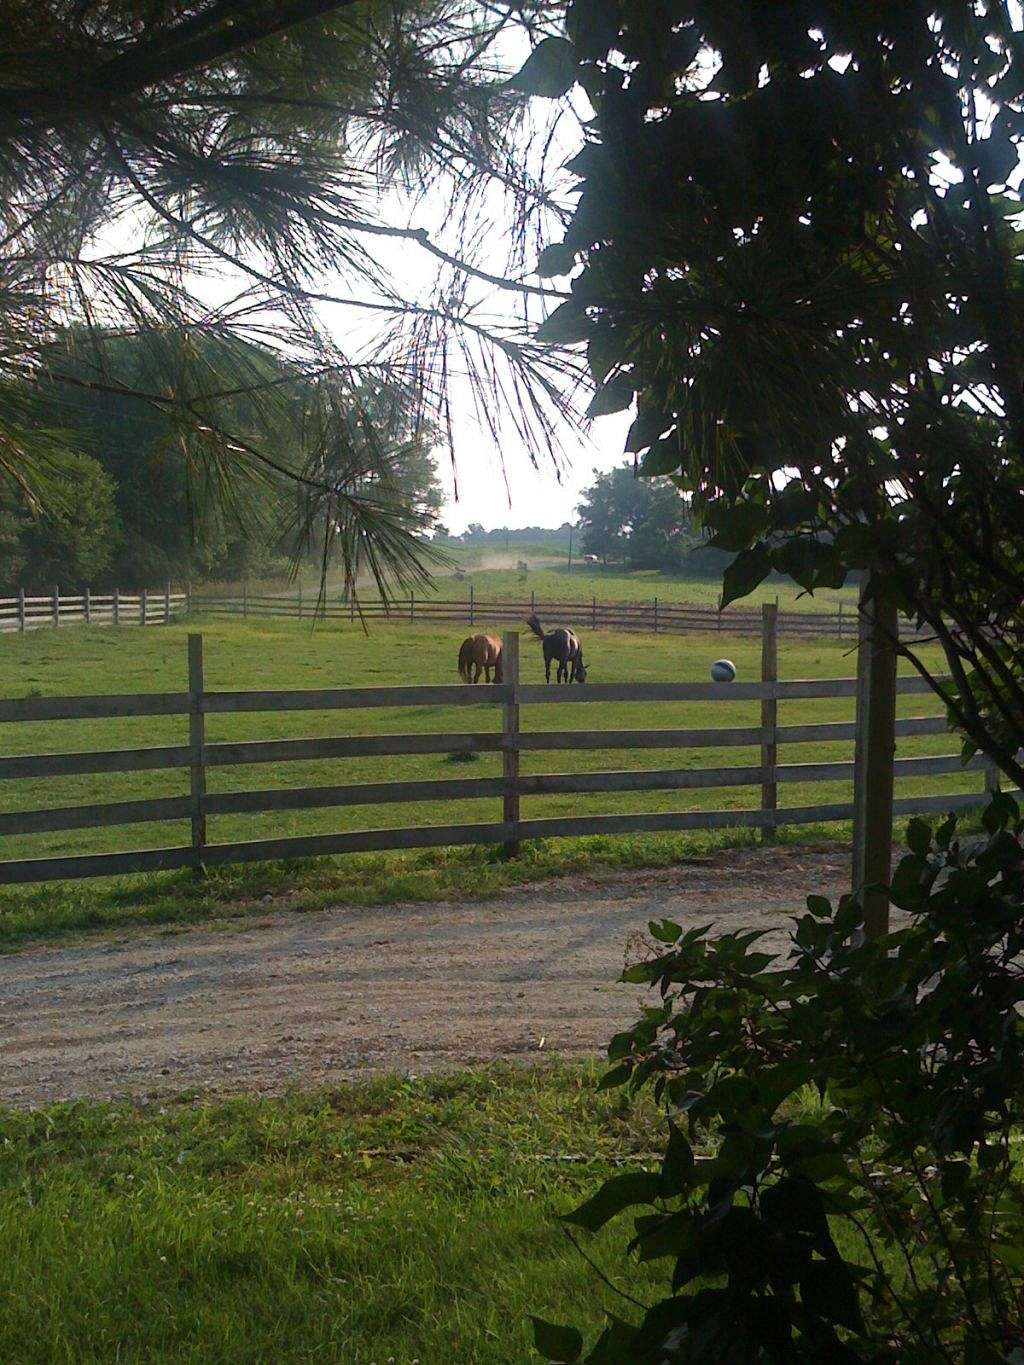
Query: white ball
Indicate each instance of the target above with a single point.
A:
(723, 670)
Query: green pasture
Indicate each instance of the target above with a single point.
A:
(555, 582)
(405, 1220)
(286, 654)
(400, 1219)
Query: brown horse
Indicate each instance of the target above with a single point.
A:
(479, 654)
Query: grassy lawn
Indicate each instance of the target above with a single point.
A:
(404, 1219)
(269, 654)
(554, 582)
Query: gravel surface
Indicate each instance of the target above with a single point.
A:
(263, 1004)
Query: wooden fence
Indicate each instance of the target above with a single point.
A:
(32, 611)
(145, 607)
(513, 739)
(654, 616)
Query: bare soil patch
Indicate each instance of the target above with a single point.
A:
(308, 999)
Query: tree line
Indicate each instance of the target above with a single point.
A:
(133, 506)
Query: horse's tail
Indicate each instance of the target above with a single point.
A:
(535, 626)
(466, 659)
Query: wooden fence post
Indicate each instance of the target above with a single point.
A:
(593, 613)
(21, 608)
(769, 716)
(196, 740)
(167, 603)
(412, 609)
(510, 740)
(655, 616)
(56, 605)
(875, 755)
(471, 617)
(117, 606)
(533, 603)
(87, 602)
(300, 599)
(188, 598)
(245, 597)
(840, 620)
(143, 605)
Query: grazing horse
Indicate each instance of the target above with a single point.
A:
(480, 653)
(562, 647)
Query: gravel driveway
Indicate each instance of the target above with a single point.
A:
(291, 999)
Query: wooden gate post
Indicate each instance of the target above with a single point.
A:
(56, 605)
(143, 605)
(197, 741)
(87, 602)
(769, 716)
(167, 603)
(117, 606)
(510, 740)
(21, 608)
(875, 755)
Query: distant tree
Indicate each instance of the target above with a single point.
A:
(73, 542)
(644, 521)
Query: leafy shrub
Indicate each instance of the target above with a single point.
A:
(839, 1180)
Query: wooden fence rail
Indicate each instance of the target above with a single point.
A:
(508, 699)
(655, 615)
(148, 607)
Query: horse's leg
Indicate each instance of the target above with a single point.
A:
(487, 673)
(547, 668)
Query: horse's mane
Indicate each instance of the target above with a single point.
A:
(534, 623)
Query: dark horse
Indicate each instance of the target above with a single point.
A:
(562, 647)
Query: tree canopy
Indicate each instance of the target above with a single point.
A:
(796, 249)
(646, 522)
(237, 172)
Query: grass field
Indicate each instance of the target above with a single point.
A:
(401, 1219)
(554, 582)
(281, 654)
(404, 1220)
(494, 575)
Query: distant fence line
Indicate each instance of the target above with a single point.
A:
(142, 607)
(157, 606)
(654, 616)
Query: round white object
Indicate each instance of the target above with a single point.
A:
(723, 670)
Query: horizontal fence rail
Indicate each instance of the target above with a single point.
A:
(145, 607)
(652, 616)
(199, 755)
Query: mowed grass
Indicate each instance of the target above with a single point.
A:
(396, 1220)
(556, 582)
(287, 654)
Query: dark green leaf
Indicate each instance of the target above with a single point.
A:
(919, 837)
(614, 396)
(554, 1343)
(635, 1187)
(829, 1291)
(749, 569)
(566, 324)
(678, 1164)
(556, 259)
(549, 70)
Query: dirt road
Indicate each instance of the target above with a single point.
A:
(302, 999)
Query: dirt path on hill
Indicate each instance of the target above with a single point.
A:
(304, 999)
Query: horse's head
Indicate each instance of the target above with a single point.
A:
(579, 669)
